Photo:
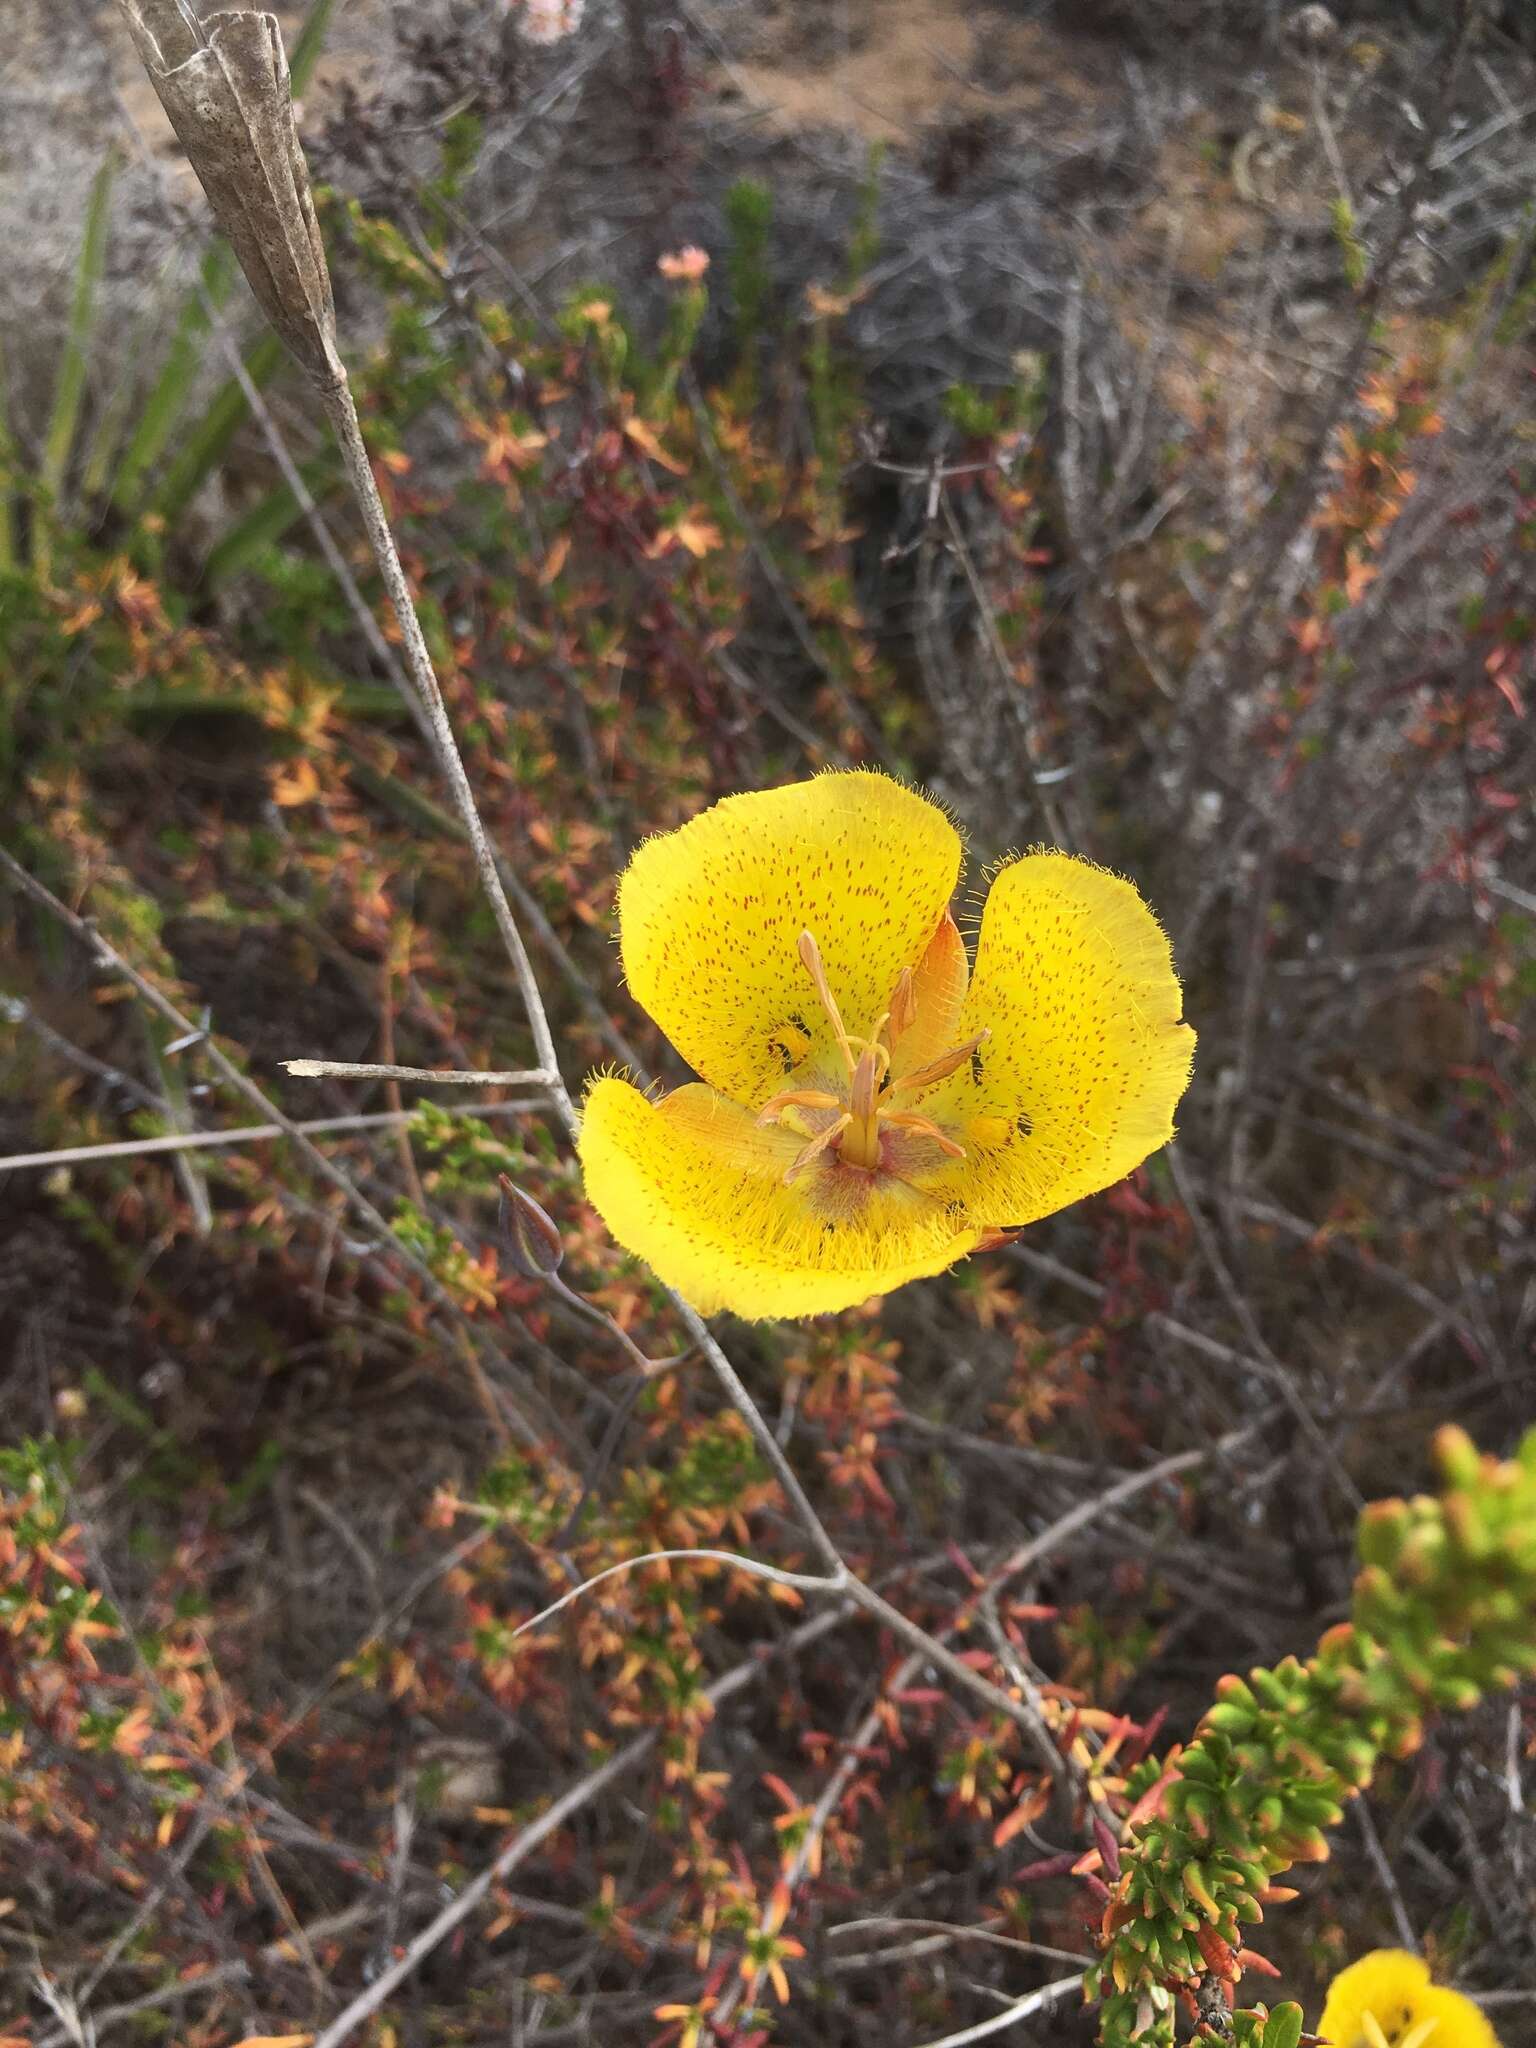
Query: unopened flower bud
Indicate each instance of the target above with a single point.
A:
(534, 1246)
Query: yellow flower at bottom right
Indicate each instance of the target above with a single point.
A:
(1387, 2000)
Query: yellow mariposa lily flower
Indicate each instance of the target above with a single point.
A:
(1386, 2000)
(872, 1107)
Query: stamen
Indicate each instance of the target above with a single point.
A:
(939, 1069)
(1417, 2036)
(1370, 2026)
(812, 1152)
(797, 1098)
(810, 957)
(921, 1127)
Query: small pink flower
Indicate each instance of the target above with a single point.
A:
(547, 21)
(684, 266)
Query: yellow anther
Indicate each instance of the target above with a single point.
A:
(797, 1098)
(922, 1128)
(854, 1131)
(939, 1069)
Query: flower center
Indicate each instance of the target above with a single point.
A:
(1410, 2036)
(853, 1120)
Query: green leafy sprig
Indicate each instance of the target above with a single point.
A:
(1444, 1612)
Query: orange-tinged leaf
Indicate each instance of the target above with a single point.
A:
(1029, 1808)
(555, 559)
(301, 785)
(699, 536)
(1249, 1959)
(648, 444)
(1217, 1953)
(133, 1732)
(1151, 1801)
(1506, 689)
(1357, 576)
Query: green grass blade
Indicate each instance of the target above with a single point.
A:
(166, 401)
(189, 1170)
(270, 519)
(96, 475)
(10, 540)
(308, 44)
(70, 389)
(267, 522)
(209, 441)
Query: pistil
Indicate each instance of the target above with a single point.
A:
(861, 1140)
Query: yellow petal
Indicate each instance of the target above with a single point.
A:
(1392, 1988)
(1458, 2022)
(696, 1188)
(1086, 1058)
(710, 918)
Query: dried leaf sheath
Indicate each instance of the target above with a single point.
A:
(225, 87)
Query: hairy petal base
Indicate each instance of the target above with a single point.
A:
(695, 1187)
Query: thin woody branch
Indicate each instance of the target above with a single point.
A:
(380, 1070)
(225, 87)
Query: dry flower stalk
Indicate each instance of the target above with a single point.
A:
(224, 85)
